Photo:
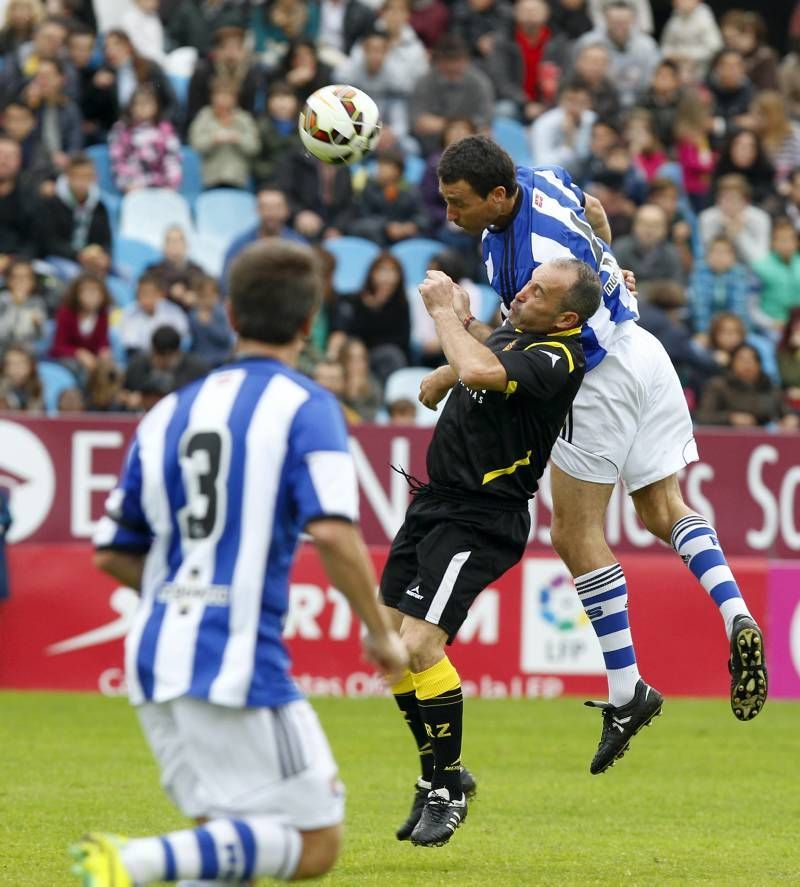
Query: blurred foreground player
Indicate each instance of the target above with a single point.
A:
(470, 522)
(219, 481)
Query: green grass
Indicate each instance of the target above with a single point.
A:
(699, 799)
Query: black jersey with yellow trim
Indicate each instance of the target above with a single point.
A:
(495, 444)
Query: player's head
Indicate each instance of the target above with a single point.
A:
(476, 179)
(561, 294)
(275, 289)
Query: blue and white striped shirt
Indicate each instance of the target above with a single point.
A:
(219, 480)
(549, 223)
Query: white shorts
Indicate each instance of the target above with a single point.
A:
(221, 762)
(629, 418)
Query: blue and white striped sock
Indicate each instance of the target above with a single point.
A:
(223, 849)
(696, 542)
(604, 596)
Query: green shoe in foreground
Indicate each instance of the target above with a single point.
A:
(98, 862)
(748, 669)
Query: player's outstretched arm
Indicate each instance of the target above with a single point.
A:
(349, 568)
(125, 567)
(597, 218)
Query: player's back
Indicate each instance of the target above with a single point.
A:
(227, 472)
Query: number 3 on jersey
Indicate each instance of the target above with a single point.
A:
(204, 459)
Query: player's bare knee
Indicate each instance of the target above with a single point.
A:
(320, 851)
(424, 642)
(660, 506)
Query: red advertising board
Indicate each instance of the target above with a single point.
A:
(59, 471)
(526, 636)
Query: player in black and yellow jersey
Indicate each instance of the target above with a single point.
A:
(470, 522)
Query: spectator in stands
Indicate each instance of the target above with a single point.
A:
(81, 70)
(592, 66)
(647, 150)
(662, 99)
(226, 138)
(48, 42)
(665, 193)
(634, 54)
(744, 397)
(145, 150)
(389, 209)
(342, 23)
(196, 24)
(521, 64)
(662, 311)
(725, 334)
(303, 70)
(379, 316)
(570, 18)
(330, 375)
(19, 24)
(402, 411)
(16, 210)
(104, 388)
(160, 370)
(779, 275)
(453, 88)
(150, 311)
(642, 14)
(789, 79)
(58, 118)
(697, 160)
(212, 337)
(779, 135)
(180, 276)
(276, 24)
(603, 138)
(74, 218)
(122, 71)
(789, 205)
(405, 51)
(273, 214)
(789, 360)
(38, 170)
(746, 32)
(71, 400)
(746, 226)
(229, 62)
(277, 130)
(743, 153)
(369, 67)
(691, 35)
(731, 89)
(362, 390)
(480, 23)
(634, 185)
(647, 249)
(562, 136)
(20, 385)
(142, 24)
(430, 19)
(608, 186)
(719, 282)
(81, 334)
(23, 312)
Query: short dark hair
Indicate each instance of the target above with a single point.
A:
(79, 159)
(583, 297)
(450, 46)
(481, 163)
(275, 286)
(165, 340)
(153, 279)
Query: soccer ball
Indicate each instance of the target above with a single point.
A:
(339, 124)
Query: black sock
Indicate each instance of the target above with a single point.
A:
(443, 716)
(407, 703)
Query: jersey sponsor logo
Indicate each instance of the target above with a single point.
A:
(553, 357)
(414, 592)
(210, 595)
(538, 200)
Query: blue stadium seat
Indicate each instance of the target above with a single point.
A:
(117, 348)
(147, 213)
(132, 256)
(489, 300)
(209, 252)
(353, 257)
(225, 213)
(101, 158)
(180, 84)
(192, 180)
(62, 268)
(56, 378)
(414, 255)
(122, 291)
(512, 136)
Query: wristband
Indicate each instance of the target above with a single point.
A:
(468, 320)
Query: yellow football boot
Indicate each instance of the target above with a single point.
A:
(98, 862)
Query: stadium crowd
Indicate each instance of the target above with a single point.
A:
(143, 144)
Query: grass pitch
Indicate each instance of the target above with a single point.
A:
(700, 798)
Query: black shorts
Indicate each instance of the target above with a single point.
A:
(445, 554)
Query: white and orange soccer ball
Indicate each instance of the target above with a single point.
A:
(339, 124)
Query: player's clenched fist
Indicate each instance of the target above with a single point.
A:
(437, 291)
(388, 652)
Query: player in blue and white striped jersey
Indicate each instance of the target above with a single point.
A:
(629, 420)
(219, 481)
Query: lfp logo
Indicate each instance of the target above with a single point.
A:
(557, 637)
